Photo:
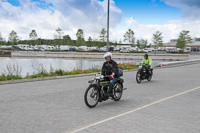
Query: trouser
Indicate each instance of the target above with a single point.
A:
(147, 70)
(112, 83)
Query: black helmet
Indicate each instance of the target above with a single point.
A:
(146, 55)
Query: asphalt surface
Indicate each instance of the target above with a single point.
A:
(167, 104)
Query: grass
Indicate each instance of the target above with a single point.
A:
(4, 77)
(15, 73)
(5, 52)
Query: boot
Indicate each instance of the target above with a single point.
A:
(110, 91)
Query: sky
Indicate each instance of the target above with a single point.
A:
(144, 17)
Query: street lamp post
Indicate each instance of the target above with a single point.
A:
(108, 24)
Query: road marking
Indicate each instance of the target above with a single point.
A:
(131, 111)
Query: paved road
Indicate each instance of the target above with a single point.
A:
(168, 104)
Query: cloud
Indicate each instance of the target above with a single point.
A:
(169, 31)
(91, 16)
(190, 8)
(46, 17)
(189, 21)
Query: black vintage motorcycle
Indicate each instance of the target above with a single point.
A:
(98, 91)
(142, 74)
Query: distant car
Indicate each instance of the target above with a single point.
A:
(152, 49)
(103, 49)
(134, 49)
(73, 48)
(144, 50)
(83, 48)
(187, 49)
(161, 49)
(116, 49)
(64, 48)
(147, 49)
(125, 50)
(94, 49)
(171, 49)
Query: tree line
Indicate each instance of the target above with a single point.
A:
(61, 39)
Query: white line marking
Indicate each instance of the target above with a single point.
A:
(132, 111)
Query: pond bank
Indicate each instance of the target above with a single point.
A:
(95, 55)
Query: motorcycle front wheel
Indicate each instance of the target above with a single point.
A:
(118, 90)
(138, 77)
(91, 96)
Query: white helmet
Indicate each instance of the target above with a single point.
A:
(108, 54)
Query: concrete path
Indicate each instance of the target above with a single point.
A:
(167, 104)
(99, 55)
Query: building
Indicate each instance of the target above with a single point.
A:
(195, 45)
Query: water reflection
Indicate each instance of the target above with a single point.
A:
(32, 65)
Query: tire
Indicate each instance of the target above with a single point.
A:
(150, 77)
(91, 96)
(138, 77)
(117, 91)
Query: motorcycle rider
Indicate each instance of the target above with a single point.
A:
(147, 62)
(110, 67)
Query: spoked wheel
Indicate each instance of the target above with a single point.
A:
(91, 96)
(150, 76)
(117, 91)
(138, 77)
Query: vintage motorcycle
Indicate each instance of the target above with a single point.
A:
(98, 90)
(141, 73)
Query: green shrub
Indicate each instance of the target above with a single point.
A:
(59, 72)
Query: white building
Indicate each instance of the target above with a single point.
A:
(195, 45)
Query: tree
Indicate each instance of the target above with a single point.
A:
(129, 36)
(80, 37)
(33, 35)
(120, 41)
(184, 38)
(1, 39)
(67, 40)
(13, 38)
(90, 41)
(103, 35)
(58, 36)
(142, 43)
(59, 33)
(157, 39)
(115, 43)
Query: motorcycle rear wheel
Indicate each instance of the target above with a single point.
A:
(91, 96)
(118, 90)
(150, 77)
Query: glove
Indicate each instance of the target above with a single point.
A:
(112, 76)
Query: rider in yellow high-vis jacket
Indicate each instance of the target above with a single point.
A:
(147, 61)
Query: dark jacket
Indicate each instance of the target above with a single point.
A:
(109, 67)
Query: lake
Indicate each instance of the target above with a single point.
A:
(33, 65)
